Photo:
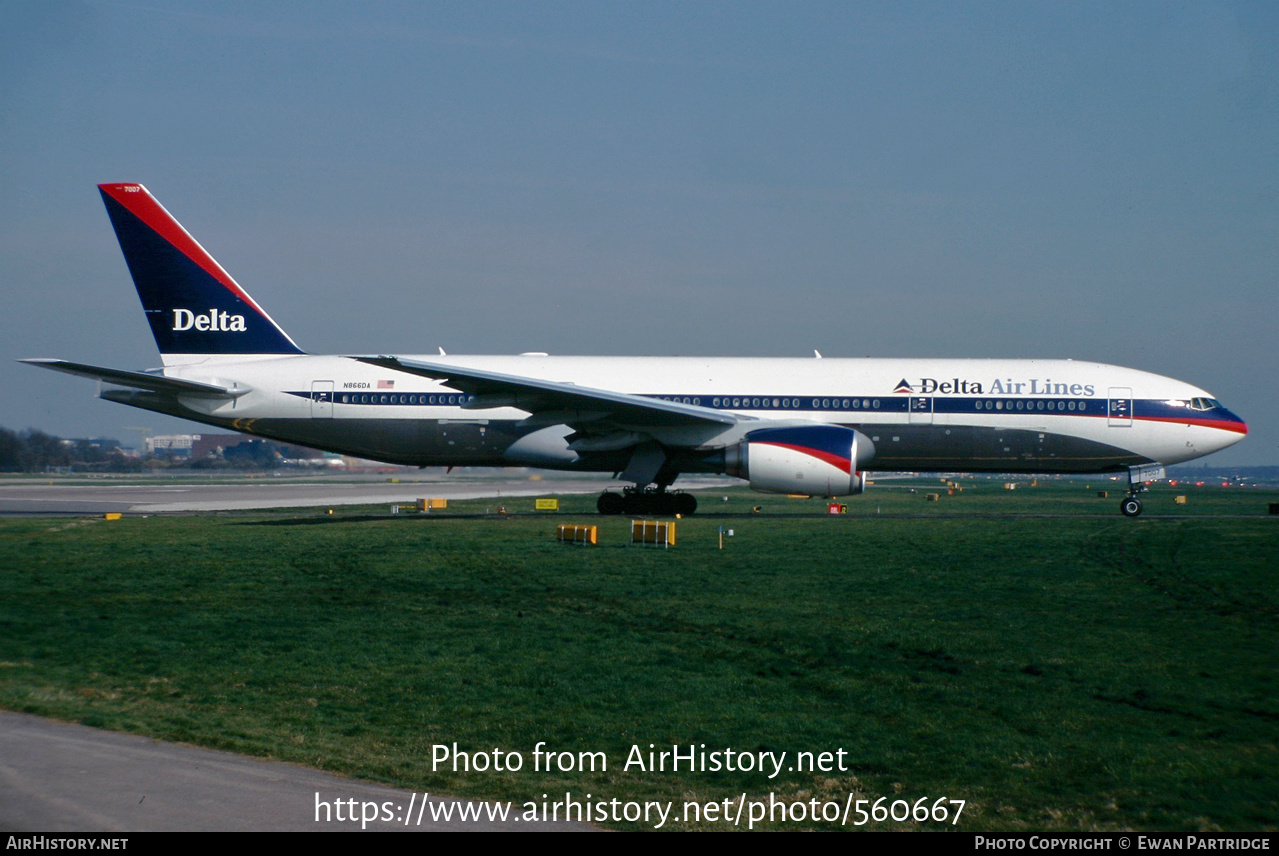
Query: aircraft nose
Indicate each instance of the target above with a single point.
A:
(1233, 429)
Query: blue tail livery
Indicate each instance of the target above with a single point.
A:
(192, 304)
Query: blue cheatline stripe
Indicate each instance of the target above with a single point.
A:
(892, 404)
(386, 399)
(782, 403)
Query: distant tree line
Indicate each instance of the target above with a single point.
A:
(33, 451)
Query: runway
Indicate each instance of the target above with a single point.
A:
(150, 495)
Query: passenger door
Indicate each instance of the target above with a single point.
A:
(1119, 407)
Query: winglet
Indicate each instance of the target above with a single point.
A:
(192, 304)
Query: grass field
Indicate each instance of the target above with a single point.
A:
(1030, 652)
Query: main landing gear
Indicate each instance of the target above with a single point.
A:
(653, 500)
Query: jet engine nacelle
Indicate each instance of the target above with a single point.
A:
(819, 460)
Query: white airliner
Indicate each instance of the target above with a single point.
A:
(809, 426)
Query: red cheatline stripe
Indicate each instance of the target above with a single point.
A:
(141, 204)
(1220, 424)
(834, 460)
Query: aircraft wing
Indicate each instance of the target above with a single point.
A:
(137, 380)
(556, 402)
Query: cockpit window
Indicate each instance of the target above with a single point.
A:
(1204, 403)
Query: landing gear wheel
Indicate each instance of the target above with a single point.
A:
(1131, 506)
(642, 503)
(685, 504)
(637, 503)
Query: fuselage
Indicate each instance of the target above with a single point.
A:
(1044, 416)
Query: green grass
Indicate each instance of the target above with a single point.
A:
(1075, 670)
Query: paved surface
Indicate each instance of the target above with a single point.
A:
(58, 496)
(57, 777)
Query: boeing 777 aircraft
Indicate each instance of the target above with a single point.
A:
(810, 426)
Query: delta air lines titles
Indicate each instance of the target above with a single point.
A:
(998, 386)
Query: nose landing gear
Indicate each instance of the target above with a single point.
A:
(1137, 478)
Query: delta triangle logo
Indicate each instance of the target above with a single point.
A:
(904, 387)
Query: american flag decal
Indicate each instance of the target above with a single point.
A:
(386, 384)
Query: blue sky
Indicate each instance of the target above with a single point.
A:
(1085, 180)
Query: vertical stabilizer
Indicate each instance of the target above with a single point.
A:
(192, 304)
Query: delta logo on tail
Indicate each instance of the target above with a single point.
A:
(215, 319)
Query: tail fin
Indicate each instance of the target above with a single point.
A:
(192, 304)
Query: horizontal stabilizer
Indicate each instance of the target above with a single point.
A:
(138, 380)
